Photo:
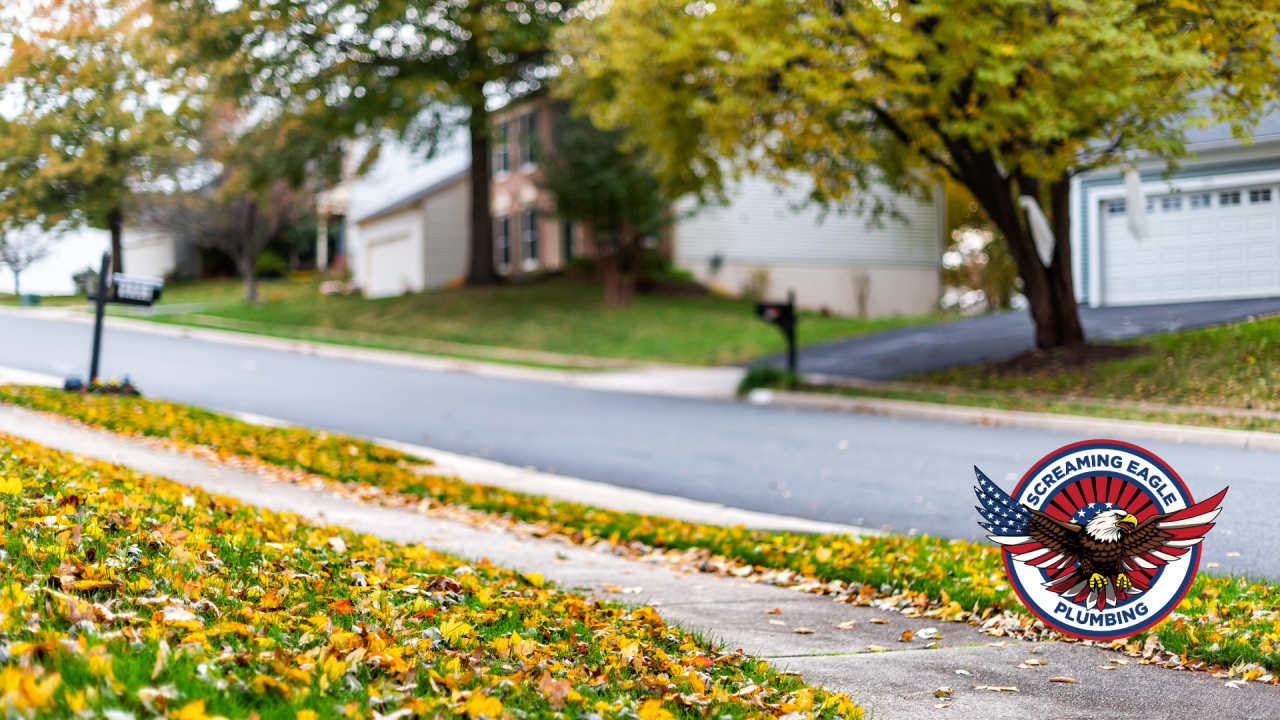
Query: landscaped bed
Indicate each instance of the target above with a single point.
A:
(127, 596)
(1231, 622)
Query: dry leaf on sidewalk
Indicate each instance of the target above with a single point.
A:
(942, 706)
(846, 625)
(1031, 663)
(874, 648)
(775, 611)
(880, 621)
(906, 636)
(776, 622)
(802, 631)
(1061, 679)
(994, 688)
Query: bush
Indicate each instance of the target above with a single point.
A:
(767, 377)
(271, 265)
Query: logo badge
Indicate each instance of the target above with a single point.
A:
(1101, 539)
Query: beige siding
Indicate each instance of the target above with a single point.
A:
(446, 236)
(761, 226)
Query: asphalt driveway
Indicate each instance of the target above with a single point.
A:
(899, 353)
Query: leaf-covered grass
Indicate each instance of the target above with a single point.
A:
(561, 315)
(123, 595)
(1233, 366)
(1231, 621)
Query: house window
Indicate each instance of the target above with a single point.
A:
(1229, 198)
(502, 240)
(1170, 203)
(501, 149)
(529, 238)
(1115, 207)
(528, 134)
(1261, 195)
(1200, 201)
(1151, 205)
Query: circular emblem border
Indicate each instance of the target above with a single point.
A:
(1033, 472)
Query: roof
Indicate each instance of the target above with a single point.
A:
(416, 198)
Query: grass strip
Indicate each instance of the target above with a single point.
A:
(1032, 403)
(1228, 621)
(127, 596)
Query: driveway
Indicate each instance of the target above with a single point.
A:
(899, 353)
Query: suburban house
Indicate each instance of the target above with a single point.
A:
(150, 252)
(1213, 226)
(406, 226)
(760, 244)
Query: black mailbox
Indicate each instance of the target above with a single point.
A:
(782, 314)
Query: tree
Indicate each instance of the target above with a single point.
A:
(413, 69)
(97, 109)
(594, 179)
(256, 193)
(1007, 98)
(23, 246)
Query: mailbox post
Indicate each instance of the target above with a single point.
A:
(783, 315)
(121, 289)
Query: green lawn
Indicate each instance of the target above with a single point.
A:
(11, 299)
(1234, 366)
(560, 315)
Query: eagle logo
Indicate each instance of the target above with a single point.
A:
(1102, 540)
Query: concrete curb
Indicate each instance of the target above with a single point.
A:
(674, 380)
(1076, 424)
(489, 472)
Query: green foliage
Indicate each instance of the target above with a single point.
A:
(767, 377)
(594, 178)
(271, 265)
(98, 110)
(1007, 98)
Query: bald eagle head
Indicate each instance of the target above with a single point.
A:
(1110, 525)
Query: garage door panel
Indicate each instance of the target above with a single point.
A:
(1261, 226)
(1231, 254)
(1262, 280)
(1231, 281)
(1201, 283)
(1262, 251)
(1228, 249)
(1228, 227)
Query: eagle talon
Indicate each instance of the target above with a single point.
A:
(1097, 581)
(1123, 582)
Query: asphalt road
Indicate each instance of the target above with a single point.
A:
(904, 475)
(987, 338)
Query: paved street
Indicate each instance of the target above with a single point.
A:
(903, 474)
(898, 353)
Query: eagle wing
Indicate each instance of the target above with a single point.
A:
(1030, 536)
(1162, 539)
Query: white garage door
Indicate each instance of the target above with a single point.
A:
(1201, 246)
(390, 267)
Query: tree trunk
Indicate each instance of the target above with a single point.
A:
(248, 257)
(481, 270)
(115, 223)
(1048, 290)
(17, 285)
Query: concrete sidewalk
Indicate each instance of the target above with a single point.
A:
(897, 683)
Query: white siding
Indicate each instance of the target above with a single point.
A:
(392, 262)
(148, 253)
(761, 226)
(446, 234)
